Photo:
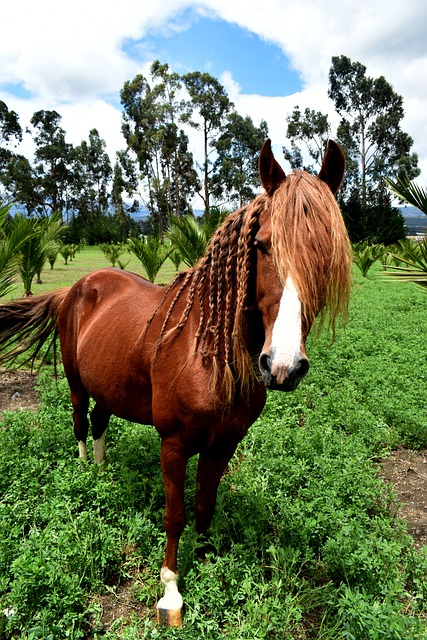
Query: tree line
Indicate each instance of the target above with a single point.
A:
(157, 171)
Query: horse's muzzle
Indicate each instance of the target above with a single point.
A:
(293, 377)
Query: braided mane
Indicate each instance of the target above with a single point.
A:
(309, 242)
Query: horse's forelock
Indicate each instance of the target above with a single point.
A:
(310, 243)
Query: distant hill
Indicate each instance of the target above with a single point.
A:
(415, 221)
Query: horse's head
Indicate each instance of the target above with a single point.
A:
(302, 262)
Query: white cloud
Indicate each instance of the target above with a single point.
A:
(70, 56)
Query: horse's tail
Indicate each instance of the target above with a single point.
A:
(27, 324)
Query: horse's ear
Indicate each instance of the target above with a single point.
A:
(270, 171)
(332, 171)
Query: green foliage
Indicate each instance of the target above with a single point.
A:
(190, 236)
(40, 238)
(410, 192)
(11, 241)
(309, 544)
(68, 251)
(150, 252)
(365, 255)
(113, 253)
(412, 262)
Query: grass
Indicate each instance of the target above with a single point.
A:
(89, 259)
(308, 542)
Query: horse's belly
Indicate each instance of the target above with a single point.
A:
(114, 380)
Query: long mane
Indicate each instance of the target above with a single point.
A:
(309, 242)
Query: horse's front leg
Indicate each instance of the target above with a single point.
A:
(211, 466)
(174, 461)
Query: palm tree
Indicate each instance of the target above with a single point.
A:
(415, 257)
(410, 192)
(11, 240)
(41, 236)
(150, 252)
(190, 237)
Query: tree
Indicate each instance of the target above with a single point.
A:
(92, 170)
(150, 252)
(236, 167)
(20, 182)
(310, 129)
(371, 113)
(374, 145)
(53, 175)
(41, 235)
(9, 125)
(190, 237)
(11, 240)
(414, 256)
(211, 103)
(410, 192)
(150, 125)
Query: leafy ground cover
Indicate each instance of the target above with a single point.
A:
(308, 541)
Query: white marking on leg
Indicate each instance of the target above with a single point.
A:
(99, 449)
(172, 600)
(82, 450)
(286, 336)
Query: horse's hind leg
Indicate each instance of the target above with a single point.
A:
(80, 402)
(99, 418)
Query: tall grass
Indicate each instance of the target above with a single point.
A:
(308, 542)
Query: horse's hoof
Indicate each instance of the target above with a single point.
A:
(203, 549)
(169, 617)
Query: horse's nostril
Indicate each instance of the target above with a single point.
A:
(301, 367)
(265, 363)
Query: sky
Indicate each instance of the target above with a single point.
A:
(270, 56)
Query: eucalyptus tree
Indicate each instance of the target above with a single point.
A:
(177, 161)
(312, 130)
(20, 183)
(371, 113)
(236, 177)
(124, 182)
(92, 178)
(10, 132)
(153, 113)
(54, 158)
(211, 105)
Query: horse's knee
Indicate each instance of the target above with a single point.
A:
(174, 522)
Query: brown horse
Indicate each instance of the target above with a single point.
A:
(194, 359)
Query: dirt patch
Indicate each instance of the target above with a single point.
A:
(17, 390)
(120, 603)
(407, 471)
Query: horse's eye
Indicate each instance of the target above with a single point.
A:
(261, 246)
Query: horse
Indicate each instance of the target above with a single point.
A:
(195, 358)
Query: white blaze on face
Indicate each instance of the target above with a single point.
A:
(286, 336)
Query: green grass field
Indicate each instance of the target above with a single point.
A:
(308, 542)
(89, 259)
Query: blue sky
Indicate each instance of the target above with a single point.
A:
(214, 46)
(270, 56)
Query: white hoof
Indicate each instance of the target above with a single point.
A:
(169, 608)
